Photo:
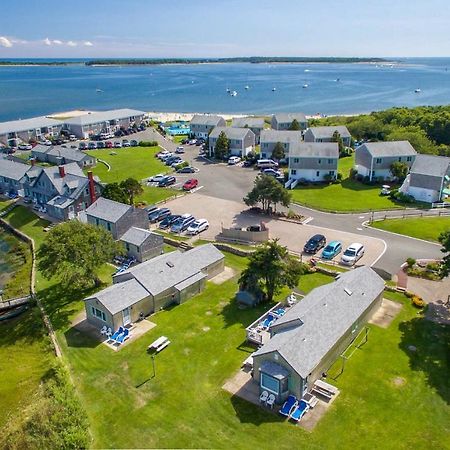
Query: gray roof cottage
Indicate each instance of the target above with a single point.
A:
(325, 134)
(312, 334)
(270, 138)
(242, 140)
(202, 124)
(283, 121)
(142, 244)
(11, 176)
(61, 155)
(256, 124)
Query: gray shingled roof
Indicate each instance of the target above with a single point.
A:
(167, 270)
(435, 166)
(40, 149)
(119, 296)
(314, 149)
(137, 236)
(13, 170)
(103, 116)
(251, 122)
(321, 318)
(68, 153)
(205, 119)
(289, 117)
(108, 210)
(15, 126)
(283, 136)
(389, 148)
(231, 132)
(327, 132)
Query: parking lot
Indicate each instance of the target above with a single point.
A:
(228, 213)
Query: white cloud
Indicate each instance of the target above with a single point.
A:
(71, 44)
(57, 42)
(47, 41)
(88, 43)
(5, 42)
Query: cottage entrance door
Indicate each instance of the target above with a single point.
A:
(126, 316)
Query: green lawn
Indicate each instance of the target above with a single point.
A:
(347, 196)
(391, 398)
(428, 228)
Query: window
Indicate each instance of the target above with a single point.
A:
(378, 161)
(330, 161)
(98, 314)
(97, 222)
(319, 161)
(331, 172)
(108, 225)
(270, 383)
(399, 159)
(296, 160)
(317, 174)
(409, 158)
(293, 172)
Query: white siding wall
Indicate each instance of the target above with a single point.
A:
(424, 195)
(308, 174)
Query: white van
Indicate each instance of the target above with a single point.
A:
(353, 253)
(266, 164)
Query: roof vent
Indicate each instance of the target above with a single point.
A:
(304, 339)
(325, 304)
(348, 291)
(170, 264)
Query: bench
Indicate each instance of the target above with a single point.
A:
(160, 342)
(162, 347)
(326, 387)
(322, 392)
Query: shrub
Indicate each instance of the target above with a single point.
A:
(380, 180)
(148, 144)
(410, 262)
(180, 166)
(366, 179)
(339, 175)
(418, 301)
(353, 174)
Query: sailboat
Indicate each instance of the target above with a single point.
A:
(274, 89)
(417, 91)
(233, 93)
(98, 90)
(247, 87)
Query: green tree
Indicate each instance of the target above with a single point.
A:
(278, 151)
(268, 192)
(337, 138)
(444, 239)
(399, 170)
(415, 136)
(295, 126)
(132, 188)
(222, 148)
(74, 251)
(270, 268)
(113, 191)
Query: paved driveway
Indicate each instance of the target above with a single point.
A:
(227, 213)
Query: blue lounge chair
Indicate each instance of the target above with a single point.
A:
(268, 321)
(289, 404)
(123, 337)
(299, 411)
(280, 312)
(117, 333)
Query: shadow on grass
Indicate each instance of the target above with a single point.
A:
(78, 337)
(232, 314)
(247, 412)
(432, 354)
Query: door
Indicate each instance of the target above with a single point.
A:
(126, 316)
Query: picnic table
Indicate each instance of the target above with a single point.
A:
(160, 344)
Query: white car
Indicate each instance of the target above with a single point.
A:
(165, 155)
(198, 226)
(156, 178)
(25, 147)
(72, 137)
(118, 144)
(179, 150)
(353, 253)
(45, 142)
(232, 160)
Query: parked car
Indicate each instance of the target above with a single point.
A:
(100, 144)
(232, 160)
(158, 214)
(176, 163)
(82, 146)
(198, 226)
(92, 145)
(192, 142)
(134, 143)
(117, 144)
(109, 144)
(45, 142)
(164, 156)
(156, 178)
(25, 147)
(168, 221)
(167, 181)
(150, 208)
(249, 162)
(182, 223)
(125, 143)
(190, 184)
(331, 250)
(315, 243)
(187, 169)
(172, 160)
(72, 137)
(179, 150)
(353, 253)
(272, 172)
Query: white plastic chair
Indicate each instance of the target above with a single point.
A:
(104, 330)
(270, 401)
(109, 333)
(263, 397)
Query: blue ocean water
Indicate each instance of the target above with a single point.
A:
(32, 91)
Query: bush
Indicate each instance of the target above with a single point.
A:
(380, 180)
(410, 262)
(339, 175)
(148, 144)
(180, 166)
(353, 174)
(418, 301)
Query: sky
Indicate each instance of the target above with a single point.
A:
(206, 28)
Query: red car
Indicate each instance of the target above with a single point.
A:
(190, 184)
(109, 144)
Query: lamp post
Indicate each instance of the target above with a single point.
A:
(153, 365)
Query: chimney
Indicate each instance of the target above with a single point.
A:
(91, 187)
(62, 172)
(33, 162)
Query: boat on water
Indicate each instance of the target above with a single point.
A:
(233, 93)
(228, 90)
(98, 90)
(307, 70)
(417, 91)
(274, 89)
(305, 86)
(247, 87)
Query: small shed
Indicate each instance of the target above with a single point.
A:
(247, 298)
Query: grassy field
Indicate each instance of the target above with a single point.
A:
(428, 228)
(390, 397)
(347, 196)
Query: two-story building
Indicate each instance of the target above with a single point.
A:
(202, 124)
(61, 155)
(241, 140)
(313, 161)
(64, 190)
(256, 124)
(116, 217)
(270, 138)
(374, 159)
(93, 123)
(429, 179)
(326, 134)
(14, 132)
(283, 121)
(11, 176)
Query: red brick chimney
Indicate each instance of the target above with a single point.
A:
(91, 187)
(62, 172)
